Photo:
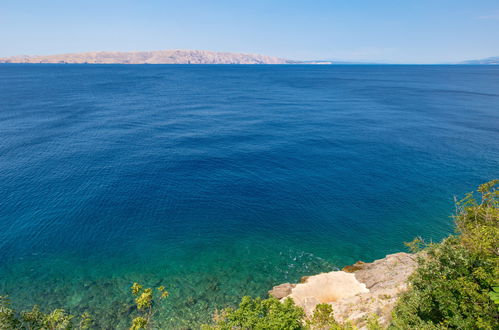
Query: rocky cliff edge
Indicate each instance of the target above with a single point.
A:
(356, 292)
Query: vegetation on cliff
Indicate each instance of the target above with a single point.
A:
(259, 314)
(454, 284)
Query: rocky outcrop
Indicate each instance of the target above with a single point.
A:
(356, 292)
(282, 290)
(153, 57)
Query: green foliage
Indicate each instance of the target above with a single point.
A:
(270, 314)
(145, 300)
(451, 287)
(478, 221)
(494, 295)
(139, 323)
(33, 319)
(415, 245)
(261, 314)
(136, 287)
(323, 318)
(86, 321)
(8, 318)
(373, 323)
(58, 319)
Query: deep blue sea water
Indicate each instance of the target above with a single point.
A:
(222, 181)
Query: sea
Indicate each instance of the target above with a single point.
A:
(220, 181)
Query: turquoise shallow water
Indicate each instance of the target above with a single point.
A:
(222, 181)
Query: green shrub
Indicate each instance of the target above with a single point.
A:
(35, 319)
(452, 284)
(373, 322)
(58, 319)
(494, 295)
(8, 319)
(271, 314)
(145, 299)
(323, 318)
(477, 222)
(261, 314)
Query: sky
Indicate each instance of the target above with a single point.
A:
(398, 31)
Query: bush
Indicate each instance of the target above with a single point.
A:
(451, 287)
(260, 314)
(323, 318)
(144, 300)
(271, 314)
(35, 319)
(60, 320)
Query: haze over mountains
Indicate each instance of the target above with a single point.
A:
(489, 60)
(151, 57)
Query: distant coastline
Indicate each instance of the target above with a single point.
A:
(485, 61)
(195, 57)
(156, 57)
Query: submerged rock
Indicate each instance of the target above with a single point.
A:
(356, 292)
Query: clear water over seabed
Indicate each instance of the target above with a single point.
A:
(222, 181)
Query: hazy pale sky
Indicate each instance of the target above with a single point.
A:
(409, 31)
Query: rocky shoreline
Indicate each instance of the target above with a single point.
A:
(357, 291)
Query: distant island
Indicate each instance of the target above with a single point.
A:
(487, 61)
(185, 57)
(156, 57)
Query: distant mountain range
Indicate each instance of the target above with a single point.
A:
(489, 60)
(156, 57)
(182, 57)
